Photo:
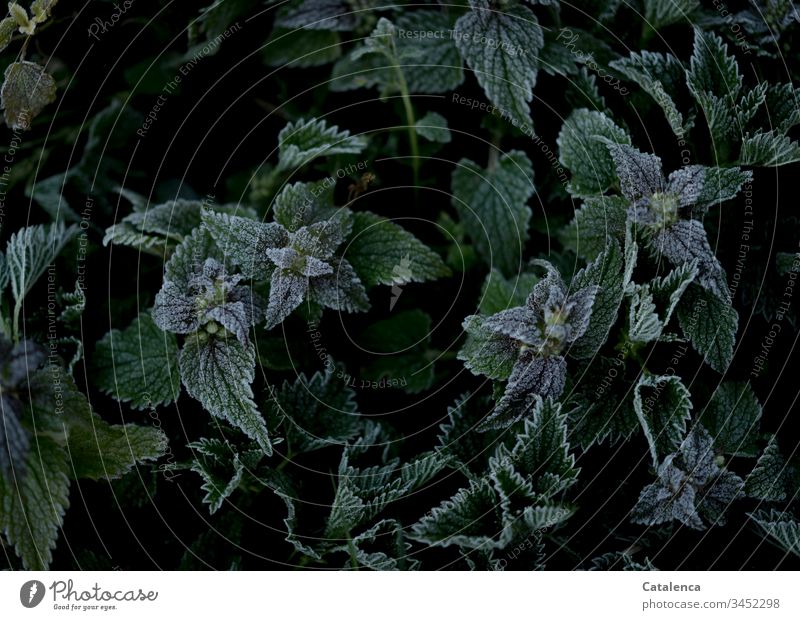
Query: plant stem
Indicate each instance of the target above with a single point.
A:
(412, 124)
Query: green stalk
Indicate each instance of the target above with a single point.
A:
(412, 125)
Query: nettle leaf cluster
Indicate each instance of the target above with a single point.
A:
(557, 376)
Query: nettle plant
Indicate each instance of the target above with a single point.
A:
(582, 401)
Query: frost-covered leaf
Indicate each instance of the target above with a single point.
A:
(643, 322)
(245, 241)
(315, 412)
(542, 452)
(689, 484)
(30, 251)
(661, 76)
(430, 64)
(606, 272)
(687, 241)
(532, 377)
(770, 148)
(732, 417)
(486, 352)
(767, 480)
(506, 69)
(340, 290)
(303, 204)
(471, 519)
(138, 365)
(156, 229)
(599, 219)
(492, 205)
(602, 409)
(221, 467)
(218, 372)
(712, 71)
(382, 252)
(719, 185)
(469, 449)
(672, 497)
(710, 323)
(433, 127)
(211, 298)
(640, 174)
(782, 104)
(521, 324)
(27, 89)
(7, 28)
(188, 258)
(286, 292)
(781, 527)
(663, 406)
(305, 140)
(582, 150)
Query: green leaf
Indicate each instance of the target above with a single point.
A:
(501, 47)
(381, 252)
(767, 480)
(470, 450)
(469, 519)
(222, 469)
(157, 229)
(486, 352)
(607, 272)
(430, 64)
(401, 345)
(7, 28)
(781, 527)
(712, 70)
(582, 150)
(305, 140)
(643, 322)
(603, 405)
(189, 257)
(27, 89)
(30, 251)
(658, 14)
(433, 127)
(770, 148)
(138, 365)
(492, 205)
(98, 450)
(599, 219)
(302, 48)
(732, 417)
(245, 241)
(663, 406)
(303, 204)
(719, 185)
(659, 75)
(542, 452)
(500, 293)
(710, 323)
(218, 372)
(32, 510)
(315, 412)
